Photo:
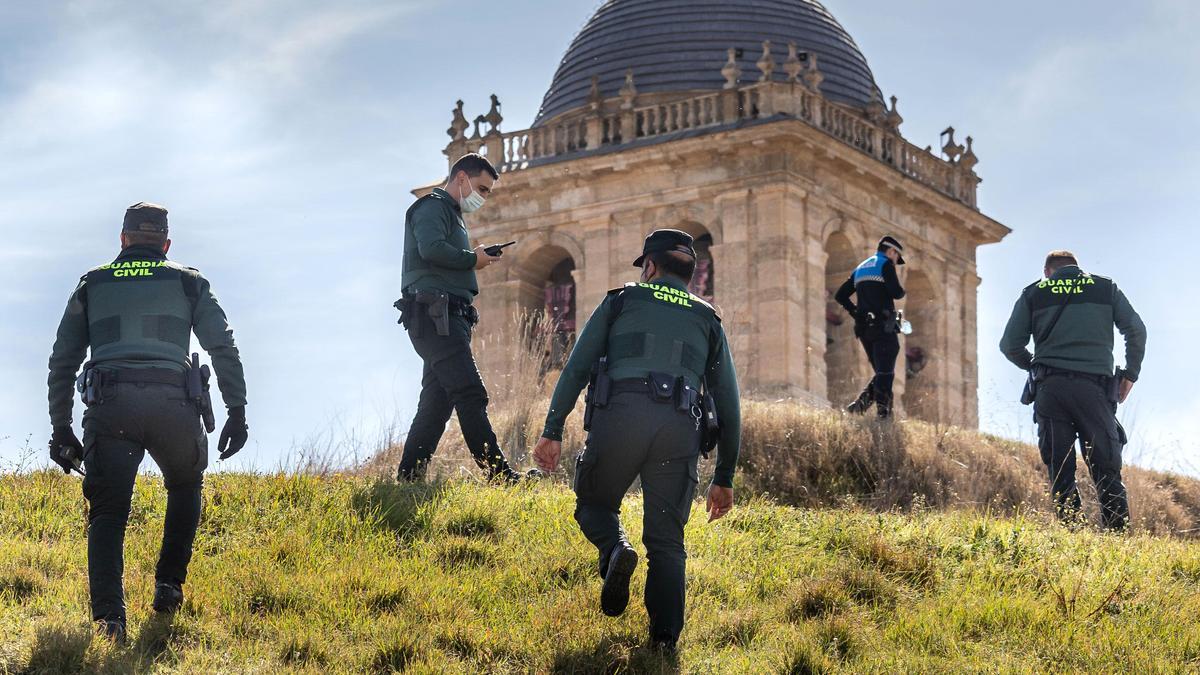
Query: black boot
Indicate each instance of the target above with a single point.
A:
(112, 630)
(168, 597)
(863, 403)
(614, 596)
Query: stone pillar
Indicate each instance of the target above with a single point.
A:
(777, 308)
(732, 283)
(970, 362)
(593, 277)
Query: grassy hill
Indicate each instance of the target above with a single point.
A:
(350, 574)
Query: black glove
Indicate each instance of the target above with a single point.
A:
(234, 433)
(66, 450)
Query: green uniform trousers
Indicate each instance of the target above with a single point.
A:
(134, 418)
(634, 436)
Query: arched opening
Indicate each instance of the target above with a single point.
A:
(559, 310)
(921, 348)
(702, 281)
(548, 298)
(842, 351)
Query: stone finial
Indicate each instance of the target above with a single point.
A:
(458, 125)
(969, 160)
(951, 149)
(479, 121)
(893, 117)
(731, 71)
(793, 66)
(628, 91)
(766, 63)
(594, 98)
(813, 77)
(493, 118)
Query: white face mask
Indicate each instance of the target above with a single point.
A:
(471, 202)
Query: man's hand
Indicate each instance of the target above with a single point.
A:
(234, 433)
(483, 259)
(1123, 392)
(546, 454)
(720, 501)
(65, 449)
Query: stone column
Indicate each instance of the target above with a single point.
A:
(593, 277)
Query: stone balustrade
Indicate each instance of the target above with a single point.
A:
(619, 121)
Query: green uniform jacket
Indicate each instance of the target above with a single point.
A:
(437, 248)
(139, 312)
(679, 324)
(1082, 340)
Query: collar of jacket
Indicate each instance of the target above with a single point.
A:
(1067, 272)
(442, 194)
(142, 252)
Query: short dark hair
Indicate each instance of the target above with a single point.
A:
(679, 265)
(474, 164)
(155, 239)
(1056, 260)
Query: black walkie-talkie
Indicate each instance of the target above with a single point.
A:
(497, 250)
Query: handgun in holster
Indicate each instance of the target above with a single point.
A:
(1114, 388)
(438, 306)
(198, 391)
(599, 388)
(712, 422)
(90, 385)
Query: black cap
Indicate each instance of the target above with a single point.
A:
(145, 217)
(666, 240)
(891, 242)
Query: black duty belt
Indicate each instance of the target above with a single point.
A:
(1075, 375)
(636, 385)
(455, 304)
(146, 376)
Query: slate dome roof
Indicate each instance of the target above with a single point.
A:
(680, 45)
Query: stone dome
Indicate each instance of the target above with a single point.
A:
(681, 45)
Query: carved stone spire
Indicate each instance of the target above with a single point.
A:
(493, 117)
(766, 63)
(793, 66)
(969, 160)
(479, 121)
(893, 117)
(731, 71)
(813, 77)
(594, 98)
(876, 112)
(628, 91)
(458, 125)
(951, 149)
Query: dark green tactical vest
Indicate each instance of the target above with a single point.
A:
(139, 309)
(660, 328)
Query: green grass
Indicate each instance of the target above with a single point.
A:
(305, 574)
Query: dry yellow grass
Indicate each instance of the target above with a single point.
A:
(804, 456)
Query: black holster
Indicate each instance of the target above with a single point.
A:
(198, 390)
(712, 423)
(1029, 392)
(90, 385)
(598, 391)
(437, 304)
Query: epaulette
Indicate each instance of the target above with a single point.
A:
(628, 284)
(705, 303)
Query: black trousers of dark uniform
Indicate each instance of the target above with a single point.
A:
(132, 419)
(882, 350)
(1070, 407)
(635, 436)
(450, 383)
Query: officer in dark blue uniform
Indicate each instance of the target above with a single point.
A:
(876, 323)
(650, 347)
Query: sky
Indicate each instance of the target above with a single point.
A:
(285, 135)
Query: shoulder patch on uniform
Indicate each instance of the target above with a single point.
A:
(704, 303)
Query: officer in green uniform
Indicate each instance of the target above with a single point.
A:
(439, 286)
(1070, 314)
(136, 315)
(653, 345)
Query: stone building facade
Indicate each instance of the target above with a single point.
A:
(784, 162)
